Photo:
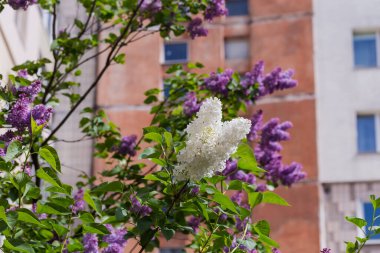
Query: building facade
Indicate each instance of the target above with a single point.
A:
(23, 36)
(346, 47)
(278, 32)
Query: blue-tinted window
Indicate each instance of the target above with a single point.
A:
(237, 7)
(366, 133)
(365, 52)
(368, 212)
(175, 52)
(171, 251)
(166, 90)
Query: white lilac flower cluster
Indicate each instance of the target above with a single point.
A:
(210, 142)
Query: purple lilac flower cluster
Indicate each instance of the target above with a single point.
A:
(194, 223)
(21, 111)
(151, 6)
(191, 105)
(115, 240)
(267, 84)
(138, 208)
(215, 8)
(127, 146)
(21, 4)
(267, 150)
(195, 28)
(326, 250)
(90, 243)
(79, 203)
(232, 173)
(217, 82)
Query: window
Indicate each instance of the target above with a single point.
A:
(171, 250)
(166, 90)
(367, 215)
(237, 7)
(365, 50)
(237, 48)
(175, 52)
(366, 127)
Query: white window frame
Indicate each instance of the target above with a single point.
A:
(163, 60)
(366, 33)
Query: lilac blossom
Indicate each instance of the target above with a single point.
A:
(19, 115)
(275, 250)
(231, 166)
(237, 197)
(127, 145)
(217, 82)
(22, 73)
(326, 250)
(18, 4)
(277, 80)
(194, 191)
(2, 152)
(115, 239)
(254, 77)
(31, 90)
(268, 157)
(79, 203)
(195, 28)
(138, 208)
(256, 121)
(113, 248)
(191, 106)
(151, 6)
(41, 114)
(90, 243)
(194, 222)
(216, 8)
(28, 170)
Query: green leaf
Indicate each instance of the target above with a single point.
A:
(91, 202)
(28, 216)
(147, 153)
(3, 216)
(168, 233)
(263, 227)
(115, 186)
(36, 129)
(168, 140)
(52, 208)
(86, 217)
(51, 157)
(273, 198)
(203, 210)
(224, 201)
(18, 246)
(95, 228)
(265, 239)
(357, 221)
(154, 137)
(254, 198)
(13, 150)
(235, 185)
(50, 176)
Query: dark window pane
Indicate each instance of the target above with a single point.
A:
(368, 212)
(366, 133)
(365, 50)
(175, 52)
(237, 7)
